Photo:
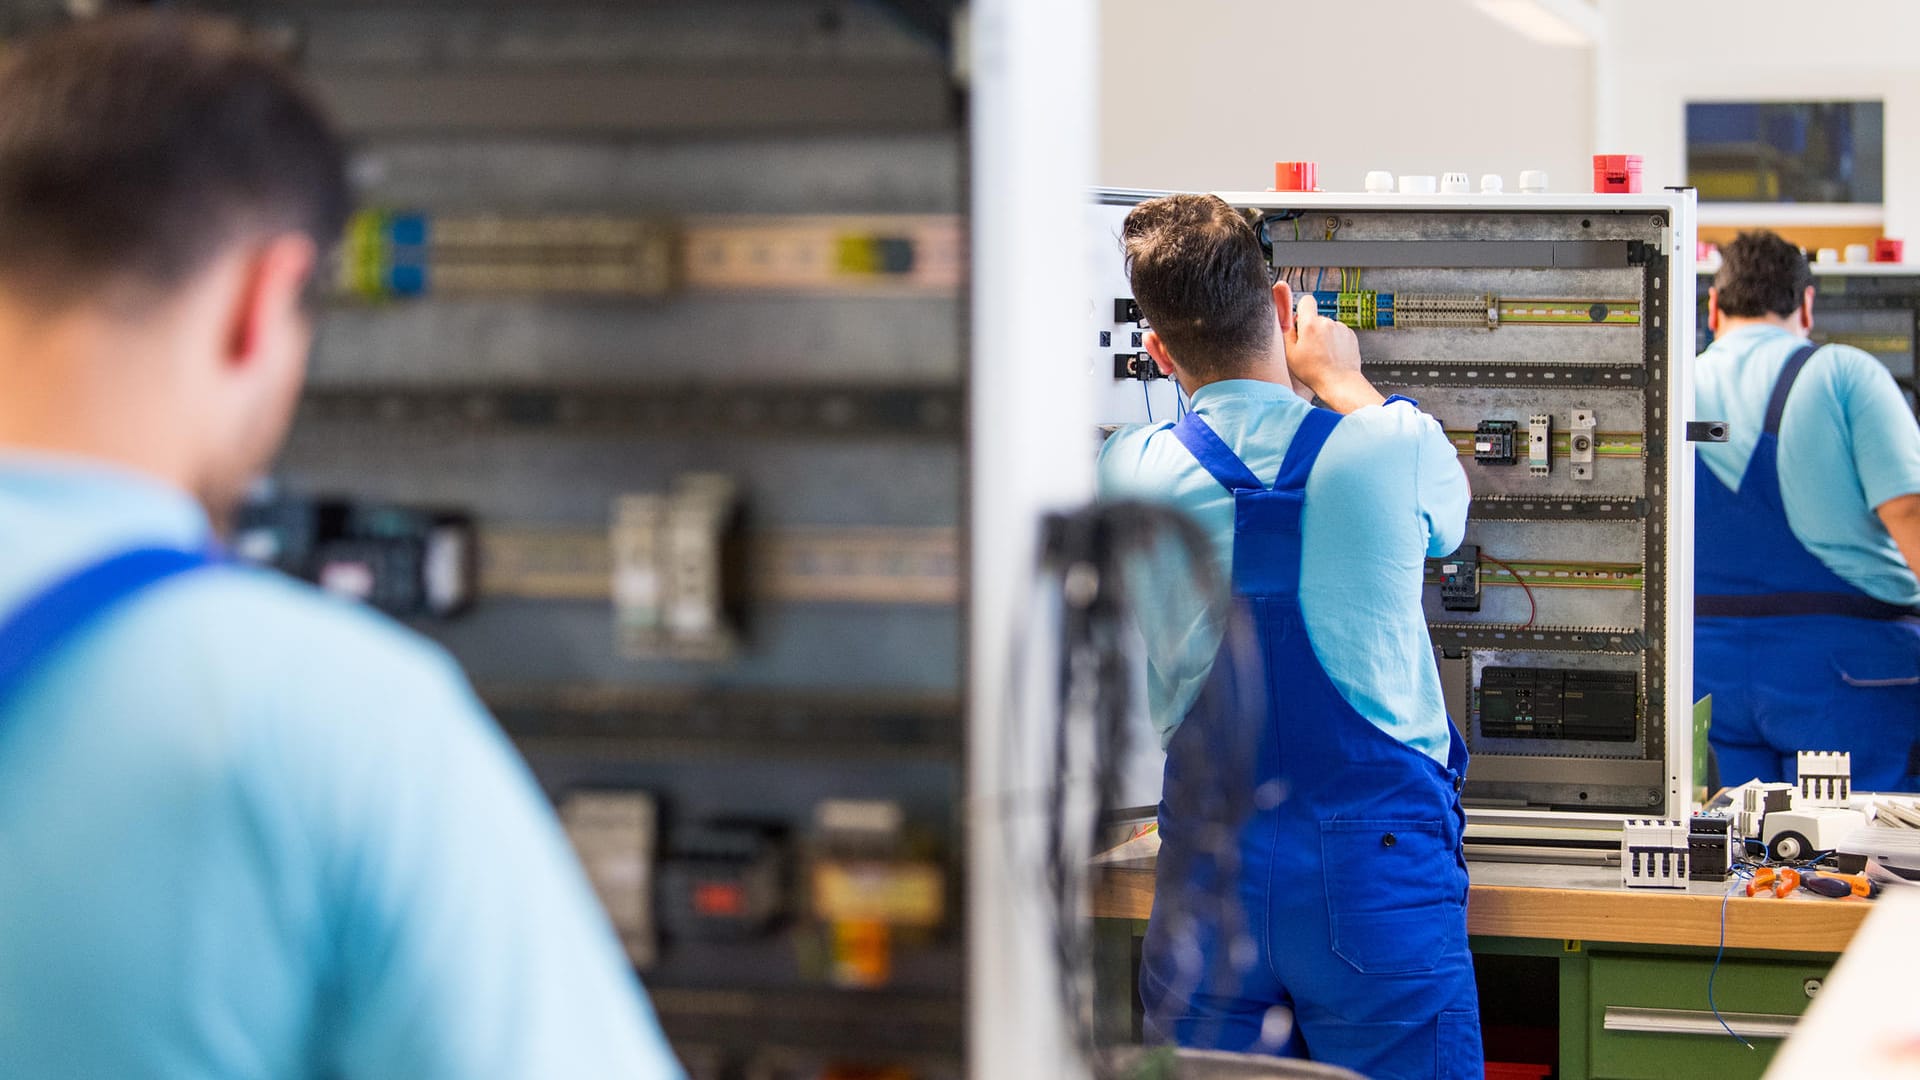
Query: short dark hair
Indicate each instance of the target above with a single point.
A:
(1201, 281)
(1761, 274)
(136, 147)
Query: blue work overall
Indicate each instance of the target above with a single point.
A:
(1311, 891)
(38, 628)
(1795, 656)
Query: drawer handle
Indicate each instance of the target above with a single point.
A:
(1696, 1022)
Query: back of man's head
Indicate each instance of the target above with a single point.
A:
(1202, 283)
(135, 148)
(1761, 275)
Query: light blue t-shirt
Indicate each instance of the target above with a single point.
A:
(1386, 493)
(1848, 443)
(247, 830)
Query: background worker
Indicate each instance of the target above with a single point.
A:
(1351, 770)
(245, 830)
(1807, 527)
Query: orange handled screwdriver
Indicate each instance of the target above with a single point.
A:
(1838, 885)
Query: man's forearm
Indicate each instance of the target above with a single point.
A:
(1349, 392)
(1901, 516)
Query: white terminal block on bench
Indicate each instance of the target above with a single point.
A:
(1826, 777)
(1653, 854)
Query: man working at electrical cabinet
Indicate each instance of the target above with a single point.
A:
(1807, 533)
(245, 830)
(1347, 868)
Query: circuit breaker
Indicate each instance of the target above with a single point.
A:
(1551, 337)
(1655, 854)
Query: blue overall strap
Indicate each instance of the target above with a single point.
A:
(1304, 450)
(1756, 514)
(39, 627)
(1790, 374)
(1214, 456)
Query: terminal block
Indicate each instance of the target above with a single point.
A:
(1826, 777)
(1540, 445)
(677, 568)
(1460, 579)
(1493, 442)
(1580, 444)
(613, 833)
(1126, 311)
(1654, 854)
(1756, 802)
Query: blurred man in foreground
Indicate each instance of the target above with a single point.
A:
(245, 830)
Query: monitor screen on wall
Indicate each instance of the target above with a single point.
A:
(1786, 151)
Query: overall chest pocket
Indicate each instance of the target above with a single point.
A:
(1396, 896)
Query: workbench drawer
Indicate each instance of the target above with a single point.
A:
(1649, 1017)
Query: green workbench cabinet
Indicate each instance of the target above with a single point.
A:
(1626, 1014)
(1609, 994)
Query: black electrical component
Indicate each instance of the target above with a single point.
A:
(1709, 847)
(1493, 442)
(1138, 365)
(723, 882)
(1460, 579)
(1559, 703)
(1126, 311)
(405, 561)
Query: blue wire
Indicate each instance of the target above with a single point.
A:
(1147, 393)
(1321, 280)
(1716, 963)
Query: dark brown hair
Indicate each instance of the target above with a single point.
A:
(134, 148)
(1201, 281)
(1761, 274)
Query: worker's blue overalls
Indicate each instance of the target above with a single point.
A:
(1795, 656)
(57, 614)
(1328, 919)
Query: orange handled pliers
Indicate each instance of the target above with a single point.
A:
(1781, 881)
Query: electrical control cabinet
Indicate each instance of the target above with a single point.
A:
(647, 405)
(1551, 337)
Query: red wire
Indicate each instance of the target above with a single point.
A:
(1533, 608)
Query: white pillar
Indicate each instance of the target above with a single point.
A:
(1033, 79)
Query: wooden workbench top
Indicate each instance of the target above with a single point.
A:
(1585, 903)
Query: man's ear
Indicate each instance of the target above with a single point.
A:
(1157, 349)
(1713, 309)
(1283, 305)
(273, 280)
(1806, 310)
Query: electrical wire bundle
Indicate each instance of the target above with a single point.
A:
(1088, 560)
